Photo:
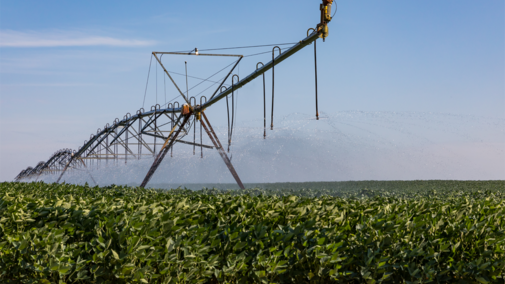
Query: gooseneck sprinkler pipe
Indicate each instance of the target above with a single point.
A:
(264, 104)
(315, 71)
(232, 110)
(273, 84)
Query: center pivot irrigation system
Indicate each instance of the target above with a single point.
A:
(136, 135)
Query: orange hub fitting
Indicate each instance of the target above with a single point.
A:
(185, 109)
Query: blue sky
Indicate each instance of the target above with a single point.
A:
(69, 67)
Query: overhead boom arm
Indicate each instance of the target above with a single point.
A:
(306, 41)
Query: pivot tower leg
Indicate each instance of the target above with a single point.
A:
(84, 164)
(219, 147)
(65, 169)
(165, 148)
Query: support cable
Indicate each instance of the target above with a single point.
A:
(209, 87)
(164, 82)
(206, 80)
(240, 47)
(256, 54)
(148, 73)
(198, 78)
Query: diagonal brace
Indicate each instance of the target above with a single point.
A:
(166, 72)
(164, 150)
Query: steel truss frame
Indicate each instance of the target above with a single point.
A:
(153, 133)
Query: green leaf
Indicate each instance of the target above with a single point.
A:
(320, 241)
(143, 247)
(116, 256)
(481, 280)
(64, 269)
(23, 245)
(239, 246)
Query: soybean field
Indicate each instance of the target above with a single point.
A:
(348, 232)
